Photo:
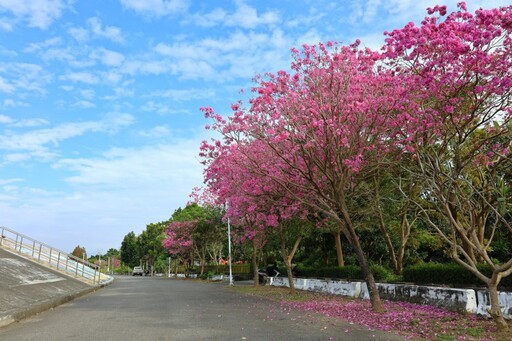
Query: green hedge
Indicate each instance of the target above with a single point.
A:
(220, 269)
(448, 274)
(347, 272)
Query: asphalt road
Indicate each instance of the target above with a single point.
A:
(144, 308)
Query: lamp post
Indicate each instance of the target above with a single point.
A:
(229, 255)
(229, 250)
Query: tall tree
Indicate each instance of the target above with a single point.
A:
(254, 202)
(149, 243)
(196, 231)
(324, 129)
(129, 252)
(458, 72)
(79, 252)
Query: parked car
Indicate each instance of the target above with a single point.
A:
(137, 271)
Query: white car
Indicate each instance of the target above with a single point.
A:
(137, 271)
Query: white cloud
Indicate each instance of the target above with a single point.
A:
(6, 52)
(10, 103)
(247, 17)
(371, 10)
(80, 34)
(37, 13)
(23, 77)
(37, 143)
(156, 132)
(158, 108)
(184, 94)
(210, 19)
(5, 119)
(15, 158)
(4, 182)
(29, 123)
(110, 32)
(145, 67)
(7, 24)
(5, 86)
(65, 54)
(237, 55)
(311, 37)
(112, 76)
(136, 167)
(156, 8)
(84, 104)
(244, 16)
(108, 57)
(87, 93)
(33, 47)
(80, 77)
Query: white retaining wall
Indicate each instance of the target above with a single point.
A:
(464, 300)
(484, 303)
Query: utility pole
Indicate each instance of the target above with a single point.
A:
(229, 257)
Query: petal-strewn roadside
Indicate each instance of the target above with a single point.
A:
(410, 320)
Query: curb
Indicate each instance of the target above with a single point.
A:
(39, 307)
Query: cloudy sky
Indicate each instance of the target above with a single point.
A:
(99, 99)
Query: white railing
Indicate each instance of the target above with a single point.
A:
(52, 257)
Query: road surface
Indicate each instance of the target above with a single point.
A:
(146, 308)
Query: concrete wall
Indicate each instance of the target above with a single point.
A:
(484, 303)
(463, 300)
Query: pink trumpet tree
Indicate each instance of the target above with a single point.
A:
(179, 239)
(324, 128)
(237, 173)
(457, 68)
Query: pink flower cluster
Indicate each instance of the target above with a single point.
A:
(409, 319)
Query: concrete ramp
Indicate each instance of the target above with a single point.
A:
(27, 288)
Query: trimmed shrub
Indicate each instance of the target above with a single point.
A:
(221, 269)
(450, 274)
(348, 272)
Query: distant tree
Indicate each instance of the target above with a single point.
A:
(150, 243)
(195, 231)
(112, 253)
(129, 253)
(79, 252)
(116, 263)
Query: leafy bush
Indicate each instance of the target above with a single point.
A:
(448, 274)
(123, 270)
(348, 272)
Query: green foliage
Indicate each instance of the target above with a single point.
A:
(318, 248)
(112, 253)
(129, 252)
(208, 275)
(448, 274)
(190, 212)
(238, 269)
(149, 243)
(122, 270)
(349, 272)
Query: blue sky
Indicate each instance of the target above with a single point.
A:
(99, 99)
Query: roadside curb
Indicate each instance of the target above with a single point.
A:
(42, 306)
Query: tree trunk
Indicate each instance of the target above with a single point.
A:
(339, 250)
(383, 229)
(367, 274)
(495, 310)
(361, 257)
(389, 243)
(256, 277)
(287, 259)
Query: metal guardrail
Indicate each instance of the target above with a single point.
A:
(52, 257)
